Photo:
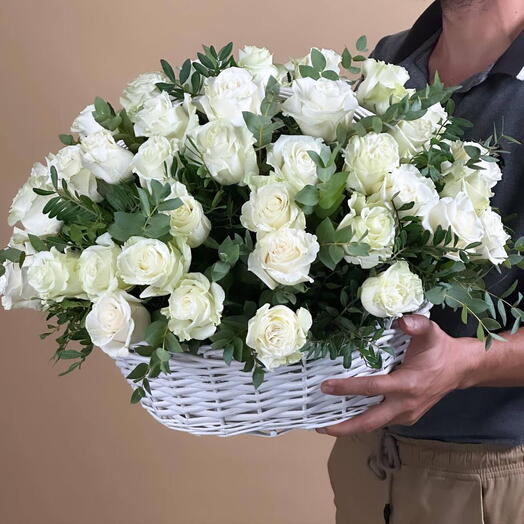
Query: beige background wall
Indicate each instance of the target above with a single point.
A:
(72, 449)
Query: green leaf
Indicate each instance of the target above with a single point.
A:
(307, 71)
(358, 249)
(318, 60)
(510, 290)
(324, 255)
(502, 312)
(162, 354)
(336, 253)
(362, 44)
(480, 333)
(258, 376)
(376, 124)
(121, 197)
(127, 225)
(228, 354)
(170, 205)
(155, 333)
(436, 295)
(37, 243)
(42, 192)
(308, 196)
(168, 70)
(224, 53)
(68, 354)
(229, 252)
(144, 201)
(137, 395)
(519, 244)
(325, 231)
(491, 324)
(67, 140)
(219, 270)
(139, 372)
(172, 343)
(346, 58)
(330, 75)
(157, 227)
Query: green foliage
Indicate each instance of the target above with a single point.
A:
(341, 327)
(67, 320)
(150, 220)
(262, 125)
(193, 73)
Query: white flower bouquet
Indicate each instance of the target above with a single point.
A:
(241, 230)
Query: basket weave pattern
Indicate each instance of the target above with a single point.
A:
(205, 396)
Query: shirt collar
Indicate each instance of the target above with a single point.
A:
(430, 22)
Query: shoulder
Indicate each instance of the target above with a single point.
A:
(388, 47)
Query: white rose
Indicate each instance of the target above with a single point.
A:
(189, 221)
(54, 275)
(458, 214)
(85, 124)
(160, 116)
(15, 289)
(27, 207)
(382, 86)
(290, 159)
(69, 167)
(153, 159)
(271, 207)
(116, 321)
(153, 263)
(227, 152)
(368, 159)
(139, 90)
(490, 172)
(494, 238)
(284, 257)
(393, 292)
(230, 93)
(319, 106)
(98, 270)
(277, 334)
(375, 225)
(195, 308)
(404, 185)
(413, 136)
(105, 158)
(474, 185)
(259, 62)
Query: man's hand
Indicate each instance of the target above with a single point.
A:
(435, 364)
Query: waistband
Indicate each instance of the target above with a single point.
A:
(460, 458)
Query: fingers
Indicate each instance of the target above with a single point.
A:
(416, 325)
(373, 419)
(367, 386)
(424, 333)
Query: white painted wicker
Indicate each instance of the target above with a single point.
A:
(205, 396)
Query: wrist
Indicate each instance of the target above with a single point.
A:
(472, 355)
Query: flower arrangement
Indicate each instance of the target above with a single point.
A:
(276, 212)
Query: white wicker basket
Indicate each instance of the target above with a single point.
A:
(205, 396)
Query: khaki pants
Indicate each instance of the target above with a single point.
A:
(427, 482)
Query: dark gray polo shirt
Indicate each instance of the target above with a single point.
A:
(493, 97)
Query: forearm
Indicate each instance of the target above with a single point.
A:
(502, 365)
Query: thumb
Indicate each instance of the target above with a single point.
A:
(422, 330)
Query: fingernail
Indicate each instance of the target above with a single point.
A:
(327, 387)
(321, 430)
(409, 321)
